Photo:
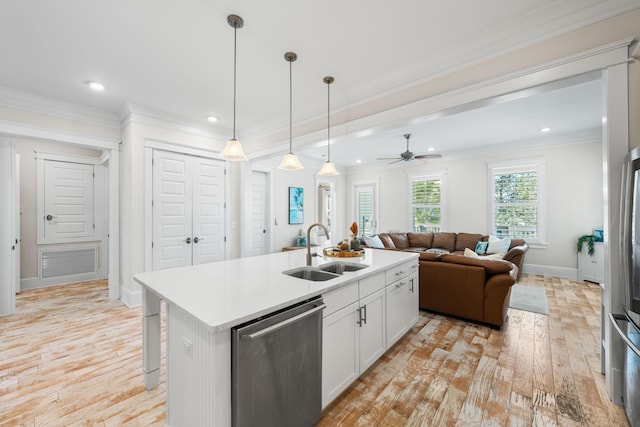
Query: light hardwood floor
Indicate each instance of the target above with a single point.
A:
(70, 356)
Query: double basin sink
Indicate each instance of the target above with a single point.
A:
(324, 272)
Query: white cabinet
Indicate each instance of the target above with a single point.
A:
(362, 320)
(372, 329)
(402, 300)
(591, 267)
(340, 351)
(353, 333)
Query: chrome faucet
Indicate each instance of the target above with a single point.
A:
(309, 240)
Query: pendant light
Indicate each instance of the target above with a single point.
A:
(290, 161)
(233, 150)
(328, 168)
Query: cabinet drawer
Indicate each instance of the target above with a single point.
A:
(370, 284)
(401, 271)
(339, 298)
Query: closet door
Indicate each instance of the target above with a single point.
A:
(8, 235)
(172, 210)
(208, 210)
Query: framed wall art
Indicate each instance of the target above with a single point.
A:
(296, 205)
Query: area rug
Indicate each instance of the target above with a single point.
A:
(529, 298)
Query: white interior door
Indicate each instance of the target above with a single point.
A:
(68, 201)
(16, 224)
(172, 210)
(259, 194)
(208, 210)
(7, 235)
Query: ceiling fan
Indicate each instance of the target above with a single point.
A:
(407, 156)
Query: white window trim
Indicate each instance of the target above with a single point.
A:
(442, 176)
(539, 164)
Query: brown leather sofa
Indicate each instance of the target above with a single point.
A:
(450, 283)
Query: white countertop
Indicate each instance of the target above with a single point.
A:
(227, 293)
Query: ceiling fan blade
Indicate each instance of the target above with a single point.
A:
(387, 158)
(399, 160)
(428, 156)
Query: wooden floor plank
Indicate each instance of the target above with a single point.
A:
(71, 356)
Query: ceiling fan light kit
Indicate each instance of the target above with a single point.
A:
(408, 156)
(290, 161)
(328, 168)
(233, 150)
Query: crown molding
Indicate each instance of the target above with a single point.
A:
(132, 113)
(14, 98)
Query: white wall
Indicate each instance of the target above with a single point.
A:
(574, 198)
(284, 234)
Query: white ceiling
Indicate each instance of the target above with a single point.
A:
(176, 58)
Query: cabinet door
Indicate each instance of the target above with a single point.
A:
(413, 303)
(396, 294)
(372, 329)
(340, 351)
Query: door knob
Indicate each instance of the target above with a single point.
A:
(188, 240)
(196, 240)
(50, 217)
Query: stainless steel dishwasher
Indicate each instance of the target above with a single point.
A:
(276, 368)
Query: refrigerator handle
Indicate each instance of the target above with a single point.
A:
(613, 318)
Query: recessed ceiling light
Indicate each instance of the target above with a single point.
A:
(212, 119)
(358, 161)
(96, 86)
(430, 149)
(545, 130)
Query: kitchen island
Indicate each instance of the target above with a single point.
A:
(205, 301)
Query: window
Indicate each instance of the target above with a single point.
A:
(366, 207)
(427, 205)
(516, 192)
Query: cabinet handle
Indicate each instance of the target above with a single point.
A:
(365, 314)
(398, 285)
(359, 321)
(399, 273)
(411, 287)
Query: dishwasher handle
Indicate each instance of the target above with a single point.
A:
(613, 318)
(273, 328)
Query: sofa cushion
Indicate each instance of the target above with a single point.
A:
(516, 242)
(373, 242)
(420, 240)
(498, 246)
(400, 240)
(429, 256)
(481, 248)
(490, 266)
(467, 240)
(444, 240)
(386, 240)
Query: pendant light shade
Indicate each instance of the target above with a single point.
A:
(328, 168)
(233, 150)
(290, 161)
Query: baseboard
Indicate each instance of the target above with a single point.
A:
(129, 297)
(36, 283)
(546, 270)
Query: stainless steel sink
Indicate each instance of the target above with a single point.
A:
(340, 267)
(311, 273)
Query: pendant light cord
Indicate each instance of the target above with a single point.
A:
(328, 121)
(235, 48)
(290, 107)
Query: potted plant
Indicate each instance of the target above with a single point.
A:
(589, 239)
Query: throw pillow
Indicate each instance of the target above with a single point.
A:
(481, 248)
(469, 253)
(498, 246)
(373, 242)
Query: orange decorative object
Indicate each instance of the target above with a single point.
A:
(354, 229)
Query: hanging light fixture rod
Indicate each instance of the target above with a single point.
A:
(328, 168)
(290, 161)
(233, 150)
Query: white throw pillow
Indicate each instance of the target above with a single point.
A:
(471, 254)
(373, 242)
(498, 246)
